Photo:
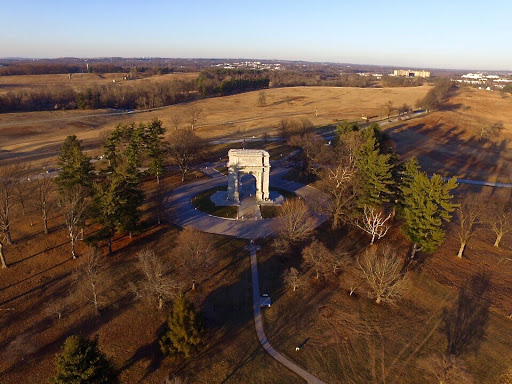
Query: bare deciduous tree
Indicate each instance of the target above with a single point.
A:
(57, 307)
(194, 114)
(499, 220)
(318, 257)
(382, 272)
(404, 109)
(10, 177)
(93, 279)
(176, 120)
(74, 208)
(445, 370)
(292, 278)
(313, 151)
(195, 251)
(353, 283)
(45, 187)
(389, 107)
(2, 256)
(374, 222)
(160, 282)
(295, 222)
(262, 99)
(486, 131)
(24, 192)
(467, 214)
(338, 183)
(185, 147)
(283, 128)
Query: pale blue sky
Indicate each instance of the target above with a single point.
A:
(445, 34)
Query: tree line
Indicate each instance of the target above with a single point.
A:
(63, 68)
(211, 82)
(142, 95)
(370, 190)
(110, 198)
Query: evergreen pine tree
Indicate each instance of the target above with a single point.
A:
(110, 148)
(76, 168)
(81, 362)
(134, 138)
(155, 147)
(426, 204)
(129, 197)
(375, 174)
(184, 329)
(117, 202)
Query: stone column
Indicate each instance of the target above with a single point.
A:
(266, 183)
(259, 195)
(233, 184)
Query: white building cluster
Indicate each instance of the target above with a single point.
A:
(257, 65)
(489, 81)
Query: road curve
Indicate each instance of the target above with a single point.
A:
(259, 324)
(184, 214)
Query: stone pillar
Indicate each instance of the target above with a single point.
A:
(259, 195)
(266, 183)
(233, 184)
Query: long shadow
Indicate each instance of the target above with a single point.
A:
(466, 321)
(38, 253)
(31, 277)
(86, 326)
(150, 351)
(453, 153)
(287, 100)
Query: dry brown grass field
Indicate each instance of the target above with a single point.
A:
(80, 81)
(36, 136)
(333, 325)
(448, 141)
(42, 279)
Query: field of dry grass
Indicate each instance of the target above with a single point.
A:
(321, 315)
(36, 136)
(42, 280)
(448, 141)
(80, 81)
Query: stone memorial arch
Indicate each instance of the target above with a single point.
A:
(255, 162)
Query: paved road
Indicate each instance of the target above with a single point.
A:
(258, 323)
(185, 215)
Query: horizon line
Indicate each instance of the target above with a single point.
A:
(253, 59)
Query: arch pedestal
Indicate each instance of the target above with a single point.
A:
(250, 161)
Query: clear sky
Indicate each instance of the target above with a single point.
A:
(462, 34)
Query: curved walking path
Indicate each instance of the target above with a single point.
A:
(184, 214)
(258, 323)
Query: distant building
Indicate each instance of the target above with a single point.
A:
(474, 76)
(409, 73)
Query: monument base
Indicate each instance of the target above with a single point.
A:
(220, 199)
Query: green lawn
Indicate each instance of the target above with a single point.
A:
(203, 203)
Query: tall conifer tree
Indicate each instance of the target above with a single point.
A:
(155, 147)
(82, 362)
(426, 204)
(375, 174)
(76, 168)
(184, 329)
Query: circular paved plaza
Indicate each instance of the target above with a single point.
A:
(184, 214)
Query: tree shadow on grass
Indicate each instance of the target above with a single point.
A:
(150, 351)
(466, 321)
